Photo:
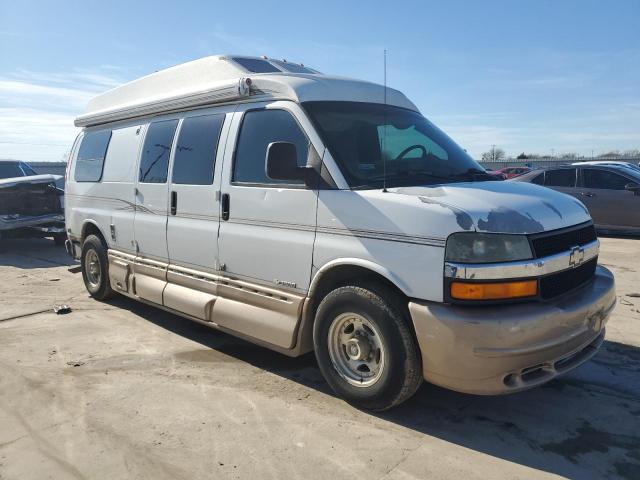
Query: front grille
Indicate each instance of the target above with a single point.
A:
(551, 243)
(562, 282)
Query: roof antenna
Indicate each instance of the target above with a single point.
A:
(384, 132)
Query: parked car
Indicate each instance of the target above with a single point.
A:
(610, 163)
(301, 212)
(495, 173)
(30, 204)
(611, 193)
(511, 172)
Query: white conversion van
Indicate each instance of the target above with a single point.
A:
(307, 212)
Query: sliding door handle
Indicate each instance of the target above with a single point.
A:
(174, 202)
(226, 204)
(587, 194)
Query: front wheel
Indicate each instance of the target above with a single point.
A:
(365, 347)
(95, 268)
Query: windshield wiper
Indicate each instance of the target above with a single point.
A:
(408, 175)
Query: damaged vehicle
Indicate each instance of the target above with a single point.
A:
(306, 212)
(30, 204)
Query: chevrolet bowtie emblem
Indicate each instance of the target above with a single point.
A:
(576, 257)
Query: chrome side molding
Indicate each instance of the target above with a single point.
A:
(254, 311)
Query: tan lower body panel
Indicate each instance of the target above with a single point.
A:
(253, 311)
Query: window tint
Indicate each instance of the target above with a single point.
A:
(256, 65)
(377, 145)
(292, 67)
(154, 161)
(565, 177)
(538, 179)
(10, 170)
(91, 156)
(393, 142)
(259, 129)
(603, 179)
(27, 169)
(196, 150)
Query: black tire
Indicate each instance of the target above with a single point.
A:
(402, 373)
(59, 239)
(99, 288)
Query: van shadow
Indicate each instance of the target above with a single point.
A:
(29, 253)
(583, 425)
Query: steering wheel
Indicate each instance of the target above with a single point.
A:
(408, 149)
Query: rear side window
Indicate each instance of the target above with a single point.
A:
(154, 161)
(603, 179)
(196, 150)
(565, 177)
(91, 155)
(259, 129)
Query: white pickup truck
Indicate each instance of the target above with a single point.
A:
(308, 212)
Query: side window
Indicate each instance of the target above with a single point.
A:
(565, 177)
(124, 148)
(603, 179)
(196, 150)
(154, 161)
(539, 179)
(260, 128)
(91, 155)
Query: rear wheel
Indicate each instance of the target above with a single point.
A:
(365, 347)
(95, 268)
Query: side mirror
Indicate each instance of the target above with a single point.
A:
(282, 163)
(633, 187)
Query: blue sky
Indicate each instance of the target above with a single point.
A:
(524, 75)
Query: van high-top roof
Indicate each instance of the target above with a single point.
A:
(229, 79)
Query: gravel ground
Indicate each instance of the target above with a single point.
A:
(123, 390)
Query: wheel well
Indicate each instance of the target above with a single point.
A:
(340, 276)
(92, 229)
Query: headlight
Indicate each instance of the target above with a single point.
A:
(471, 247)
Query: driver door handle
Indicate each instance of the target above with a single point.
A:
(587, 194)
(226, 204)
(174, 202)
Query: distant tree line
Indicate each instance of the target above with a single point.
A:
(498, 154)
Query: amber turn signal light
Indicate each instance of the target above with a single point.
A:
(493, 291)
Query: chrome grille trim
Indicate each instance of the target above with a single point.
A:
(537, 267)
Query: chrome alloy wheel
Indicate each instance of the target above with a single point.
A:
(356, 349)
(92, 267)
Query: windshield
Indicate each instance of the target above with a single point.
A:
(28, 171)
(10, 170)
(373, 141)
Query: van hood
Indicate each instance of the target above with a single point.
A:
(502, 207)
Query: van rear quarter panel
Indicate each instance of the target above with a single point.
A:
(110, 201)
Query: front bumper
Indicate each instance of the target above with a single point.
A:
(14, 222)
(490, 350)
